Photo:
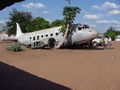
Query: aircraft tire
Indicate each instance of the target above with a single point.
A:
(94, 44)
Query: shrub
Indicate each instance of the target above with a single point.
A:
(15, 47)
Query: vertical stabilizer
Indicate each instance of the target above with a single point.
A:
(18, 31)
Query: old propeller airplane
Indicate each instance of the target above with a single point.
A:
(52, 37)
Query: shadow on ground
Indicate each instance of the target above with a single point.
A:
(82, 48)
(77, 47)
(12, 78)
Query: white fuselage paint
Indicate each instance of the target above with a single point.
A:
(82, 36)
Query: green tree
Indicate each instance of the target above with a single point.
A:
(70, 13)
(40, 23)
(57, 23)
(23, 18)
(112, 32)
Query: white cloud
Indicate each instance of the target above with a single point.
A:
(45, 12)
(106, 5)
(110, 5)
(93, 25)
(33, 5)
(91, 17)
(2, 23)
(114, 12)
(96, 7)
(108, 22)
(47, 19)
(102, 21)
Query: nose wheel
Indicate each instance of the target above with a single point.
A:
(94, 44)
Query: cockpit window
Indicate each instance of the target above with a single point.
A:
(86, 26)
(83, 27)
(79, 28)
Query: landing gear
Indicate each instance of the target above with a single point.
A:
(94, 44)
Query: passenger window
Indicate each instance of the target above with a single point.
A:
(46, 35)
(41, 36)
(83, 27)
(51, 34)
(33, 38)
(37, 37)
(79, 28)
(57, 34)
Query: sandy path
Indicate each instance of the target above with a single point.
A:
(76, 69)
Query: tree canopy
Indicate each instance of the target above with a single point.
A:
(69, 13)
(23, 18)
(40, 23)
(57, 23)
(112, 32)
(6, 3)
(28, 23)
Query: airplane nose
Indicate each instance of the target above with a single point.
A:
(94, 33)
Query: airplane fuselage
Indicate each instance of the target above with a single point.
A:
(79, 34)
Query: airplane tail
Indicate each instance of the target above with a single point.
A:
(18, 31)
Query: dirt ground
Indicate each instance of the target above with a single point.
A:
(64, 69)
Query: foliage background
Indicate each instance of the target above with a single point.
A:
(28, 23)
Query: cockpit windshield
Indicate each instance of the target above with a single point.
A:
(83, 27)
(79, 28)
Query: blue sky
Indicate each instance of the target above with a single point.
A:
(99, 14)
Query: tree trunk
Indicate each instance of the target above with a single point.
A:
(62, 41)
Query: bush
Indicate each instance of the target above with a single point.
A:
(15, 47)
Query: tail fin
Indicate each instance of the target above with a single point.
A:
(18, 31)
